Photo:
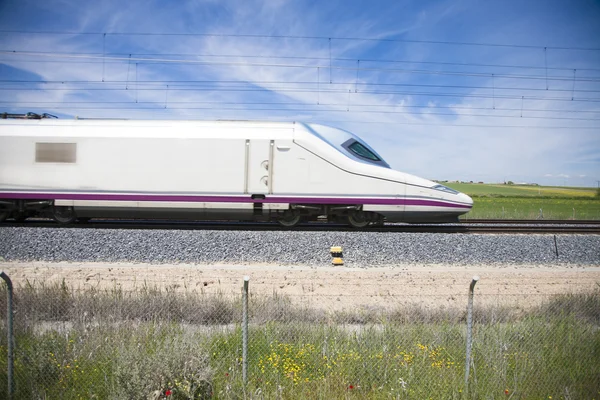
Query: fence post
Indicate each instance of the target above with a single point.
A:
(469, 330)
(245, 332)
(9, 327)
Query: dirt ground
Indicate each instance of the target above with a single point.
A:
(328, 287)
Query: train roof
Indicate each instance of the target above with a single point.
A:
(342, 140)
(145, 128)
(141, 122)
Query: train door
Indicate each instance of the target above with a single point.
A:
(259, 166)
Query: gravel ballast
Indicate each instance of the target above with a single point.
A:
(360, 249)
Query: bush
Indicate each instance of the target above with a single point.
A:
(161, 359)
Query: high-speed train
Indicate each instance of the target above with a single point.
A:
(77, 169)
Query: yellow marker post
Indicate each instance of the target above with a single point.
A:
(337, 261)
(336, 251)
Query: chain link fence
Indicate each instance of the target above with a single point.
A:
(184, 343)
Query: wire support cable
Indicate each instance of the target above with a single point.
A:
(101, 58)
(321, 38)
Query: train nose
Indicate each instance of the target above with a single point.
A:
(466, 199)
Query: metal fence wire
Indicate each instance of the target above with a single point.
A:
(151, 343)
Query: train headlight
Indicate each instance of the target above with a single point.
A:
(446, 189)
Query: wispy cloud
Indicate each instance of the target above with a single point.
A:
(438, 112)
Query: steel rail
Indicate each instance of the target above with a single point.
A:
(471, 226)
(530, 221)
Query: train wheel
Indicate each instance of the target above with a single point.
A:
(289, 219)
(20, 218)
(3, 215)
(358, 219)
(64, 214)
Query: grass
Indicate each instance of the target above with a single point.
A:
(533, 208)
(530, 202)
(110, 344)
(499, 190)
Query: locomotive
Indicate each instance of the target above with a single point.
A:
(290, 172)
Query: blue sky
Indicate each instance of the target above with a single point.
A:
(449, 90)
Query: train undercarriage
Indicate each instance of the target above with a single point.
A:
(352, 215)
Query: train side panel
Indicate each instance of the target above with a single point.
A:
(128, 164)
(197, 173)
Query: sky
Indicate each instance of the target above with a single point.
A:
(483, 91)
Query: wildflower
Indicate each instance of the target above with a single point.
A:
(168, 392)
(506, 392)
(351, 387)
(402, 383)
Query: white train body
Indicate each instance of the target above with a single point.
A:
(209, 170)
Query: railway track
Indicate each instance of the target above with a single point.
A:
(467, 226)
(530, 221)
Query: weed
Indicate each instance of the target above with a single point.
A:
(148, 343)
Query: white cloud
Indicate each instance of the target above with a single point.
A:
(474, 143)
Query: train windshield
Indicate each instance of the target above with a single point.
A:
(363, 152)
(360, 150)
(349, 144)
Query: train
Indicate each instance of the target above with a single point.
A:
(78, 169)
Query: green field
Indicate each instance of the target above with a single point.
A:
(500, 190)
(498, 201)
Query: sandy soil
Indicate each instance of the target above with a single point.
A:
(329, 287)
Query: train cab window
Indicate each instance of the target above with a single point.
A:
(362, 152)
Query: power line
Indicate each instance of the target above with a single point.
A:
(329, 38)
(341, 59)
(375, 122)
(190, 83)
(306, 87)
(314, 110)
(282, 65)
(298, 104)
(310, 90)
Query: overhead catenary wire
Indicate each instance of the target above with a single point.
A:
(309, 90)
(326, 59)
(99, 58)
(303, 37)
(387, 122)
(550, 79)
(249, 103)
(191, 83)
(312, 110)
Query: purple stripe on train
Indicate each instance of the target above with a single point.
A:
(230, 199)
